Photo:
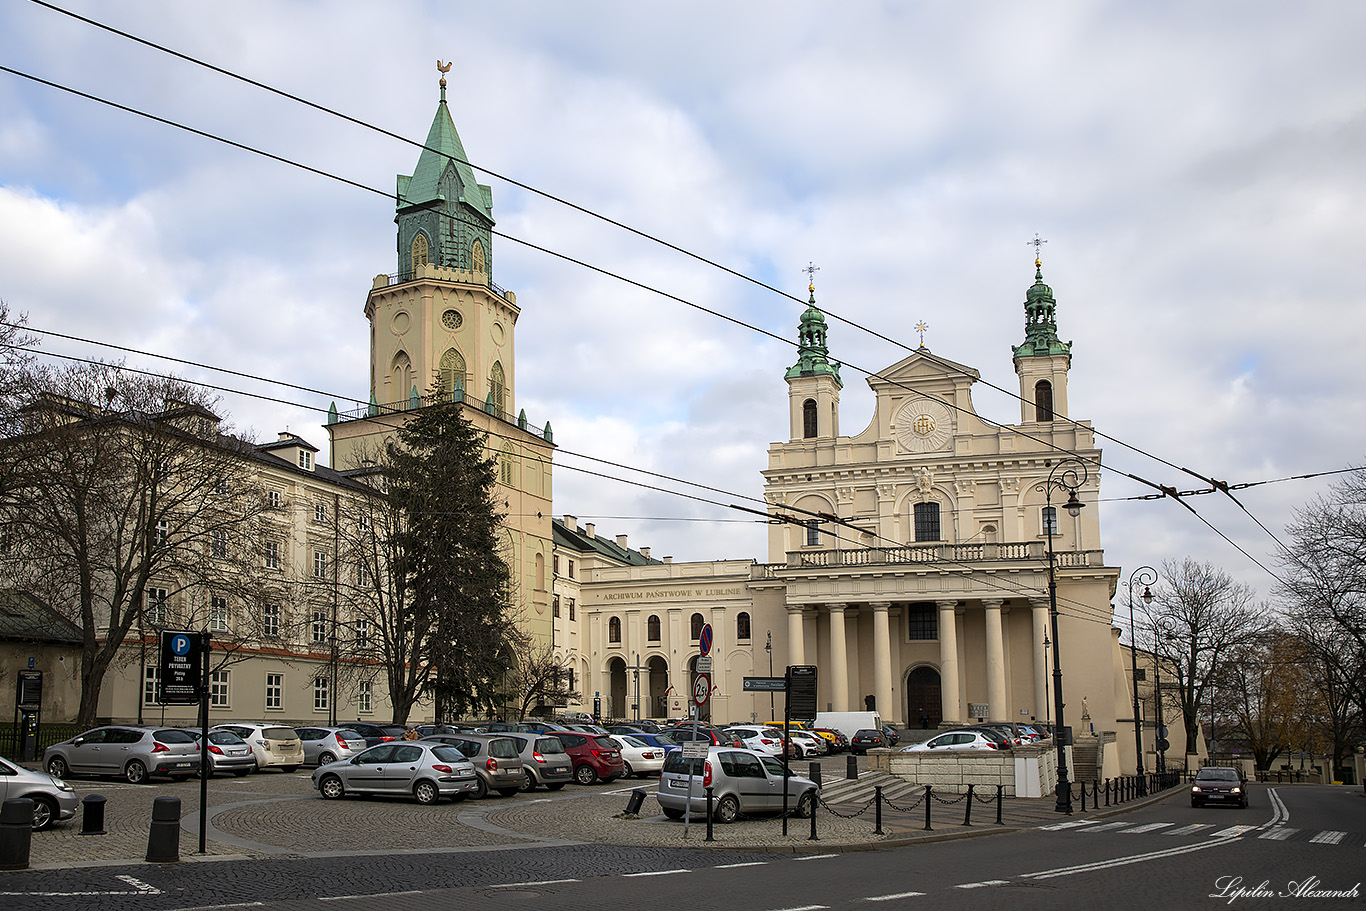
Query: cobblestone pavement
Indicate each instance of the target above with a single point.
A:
(279, 814)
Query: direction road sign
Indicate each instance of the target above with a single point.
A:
(701, 689)
(765, 684)
(704, 639)
(704, 664)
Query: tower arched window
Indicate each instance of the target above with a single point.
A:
(499, 387)
(742, 625)
(477, 261)
(927, 522)
(652, 628)
(614, 629)
(696, 626)
(450, 375)
(505, 464)
(401, 377)
(419, 252)
(809, 426)
(1043, 401)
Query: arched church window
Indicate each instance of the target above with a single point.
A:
(652, 628)
(696, 626)
(1043, 401)
(809, 430)
(742, 625)
(498, 386)
(505, 464)
(477, 261)
(927, 522)
(419, 251)
(450, 375)
(614, 629)
(400, 378)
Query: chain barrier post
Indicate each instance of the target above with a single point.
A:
(1083, 794)
(815, 799)
(928, 801)
(709, 819)
(877, 813)
(1095, 793)
(1000, 790)
(967, 811)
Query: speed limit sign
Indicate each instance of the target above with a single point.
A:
(701, 689)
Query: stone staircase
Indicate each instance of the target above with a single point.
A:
(1086, 759)
(860, 790)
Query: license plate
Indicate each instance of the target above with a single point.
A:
(678, 783)
(183, 765)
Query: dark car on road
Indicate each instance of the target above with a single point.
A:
(865, 740)
(375, 734)
(1219, 784)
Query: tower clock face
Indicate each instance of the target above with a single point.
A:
(923, 425)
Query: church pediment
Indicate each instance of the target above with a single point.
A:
(920, 369)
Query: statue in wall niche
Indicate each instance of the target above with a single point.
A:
(1085, 712)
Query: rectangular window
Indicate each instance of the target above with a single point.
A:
(321, 694)
(813, 532)
(151, 685)
(571, 608)
(221, 487)
(318, 627)
(320, 564)
(218, 614)
(319, 512)
(362, 633)
(270, 621)
(555, 606)
(365, 698)
(571, 569)
(1048, 521)
(218, 689)
(363, 522)
(555, 564)
(218, 543)
(305, 459)
(154, 613)
(162, 534)
(6, 539)
(272, 555)
(362, 575)
(273, 499)
(275, 692)
(924, 621)
(927, 522)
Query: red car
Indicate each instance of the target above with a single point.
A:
(595, 756)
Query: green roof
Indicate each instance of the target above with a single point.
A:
(443, 145)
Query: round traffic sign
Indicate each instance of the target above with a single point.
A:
(701, 689)
(180, 644)
(704, 639)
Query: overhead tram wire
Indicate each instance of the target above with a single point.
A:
(1084, 611)
(1164, 490)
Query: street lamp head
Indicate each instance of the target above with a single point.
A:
(1074, 506)
(1147, 595)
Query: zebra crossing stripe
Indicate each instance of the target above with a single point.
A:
(1066, 825)
(1190, 829)
(1232, 832)
(1279, 833)
(1328, 837)
(1109, 826)
(1150, 827)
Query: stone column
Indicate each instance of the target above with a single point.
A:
(882, 660)
(948, 664)
(1039, 609)
(839, 660)
(796, 651)
(997, 709)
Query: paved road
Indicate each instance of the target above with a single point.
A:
(1162, 855)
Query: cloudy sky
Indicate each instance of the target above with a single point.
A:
(1196, 169)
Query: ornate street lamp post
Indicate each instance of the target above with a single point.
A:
(1073, 475)
(1145, 576)
(768, 647)
(1161, 633)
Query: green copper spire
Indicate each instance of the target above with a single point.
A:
(1041, 324)
(813, 355)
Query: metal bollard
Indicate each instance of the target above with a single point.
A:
(92, 814)
(928, 800)
(1095, 793)
(709, 819)
(814, 773)
(851, 767)
(16, 833)
(815, 800)
(1000, 790)
(637, 800)
(1083, 795)
(967, 810)
(877, 812)
(163, 841)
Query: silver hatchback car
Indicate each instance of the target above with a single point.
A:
(742, 781)
(53, 799)
(426, 771)
(324, 745)
(495, 757)
(544, 761)
(127, 751)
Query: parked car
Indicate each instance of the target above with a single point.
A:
(837, 741)
(1000, 735)
(865, 740)
(227, 753)
(637, 756)
(742, 781)
(958, 740)
(714, 736)
(324, 745)
(427, 771)
(496, 760)
(53, 799)
(1219, 784)
(540, 727)
(544, 761)
(130, 751)
(892, 736)
(811, 744)
(375, 734)
(273, 746)
(768, 741)
(663, 741)
(595, 756)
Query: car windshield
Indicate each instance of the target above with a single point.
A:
(678, 765)
(664, 740)
(549, 745)
(604, 742)
(1216, 775)
(224, 738)
(279, 734)
(172, 736)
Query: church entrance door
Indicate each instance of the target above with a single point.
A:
(923, 706)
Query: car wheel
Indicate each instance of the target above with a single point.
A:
(481, 788)
(426, 793)
(528, 781)
(585, 774)
(135, 772)
(508, 792)
(727, 810)
(325, 758)
(806, 805)
(673, 812)
(627, 771)
(57, 767)
(44, 813)
(555, 787)
(331, 787)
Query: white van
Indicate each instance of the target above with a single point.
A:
(847, 723)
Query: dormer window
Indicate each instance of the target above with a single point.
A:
(305, 460)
